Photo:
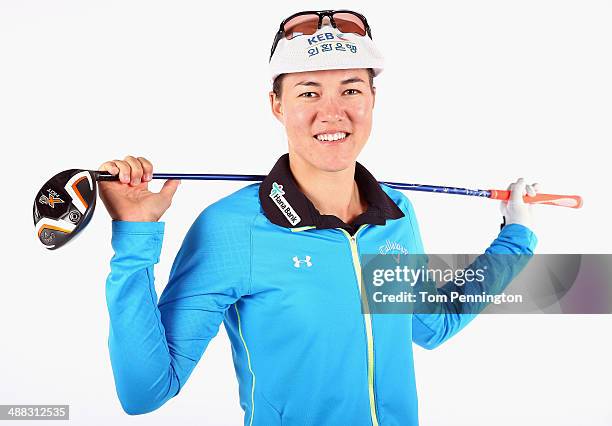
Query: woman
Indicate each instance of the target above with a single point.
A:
(279, 262)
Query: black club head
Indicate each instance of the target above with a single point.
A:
(64, 206)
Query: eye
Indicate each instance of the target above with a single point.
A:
(307, 94)
(354, 91)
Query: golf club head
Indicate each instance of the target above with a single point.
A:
(64, 206)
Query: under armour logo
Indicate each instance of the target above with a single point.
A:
(297, 262)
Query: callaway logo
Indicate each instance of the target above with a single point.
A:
(277, 196)
(297, 262)
(51, 199)
(393, 248)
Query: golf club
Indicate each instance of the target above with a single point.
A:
(65, 204)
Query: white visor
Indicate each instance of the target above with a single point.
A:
(327, 49)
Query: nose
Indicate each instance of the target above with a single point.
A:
(330, 110)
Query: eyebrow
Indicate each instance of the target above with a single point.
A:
(314, 83)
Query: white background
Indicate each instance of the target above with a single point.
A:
(475, 94)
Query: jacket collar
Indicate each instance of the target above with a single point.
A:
(285, 205)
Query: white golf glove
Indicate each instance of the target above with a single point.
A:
(515, 210)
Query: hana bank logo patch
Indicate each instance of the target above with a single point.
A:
(276, 194)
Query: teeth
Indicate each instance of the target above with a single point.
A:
(331, 136)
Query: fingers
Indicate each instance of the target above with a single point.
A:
(147, 168)
(517, 191)
(122, 168)
(169, 188)
(136, 170)
(520, 188)
(518, 208)
(109, 166)
(532, 189)
(131, 170)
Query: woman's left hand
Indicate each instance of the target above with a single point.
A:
(515, 210)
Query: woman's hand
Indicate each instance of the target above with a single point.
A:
(129, 199)
(515, 210)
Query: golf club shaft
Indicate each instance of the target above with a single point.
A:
(189, 176)
(573, 201)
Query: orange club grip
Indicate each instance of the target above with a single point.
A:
(573, 201)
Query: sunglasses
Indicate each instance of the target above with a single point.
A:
(309, 22)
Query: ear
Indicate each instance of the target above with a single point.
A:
(276, 106)
(373, 96)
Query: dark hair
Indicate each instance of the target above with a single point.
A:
(278, 83)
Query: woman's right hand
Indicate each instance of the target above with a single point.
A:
(129, 199)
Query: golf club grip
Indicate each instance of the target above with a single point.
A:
(573, 201)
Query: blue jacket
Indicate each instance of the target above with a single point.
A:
(288, 296)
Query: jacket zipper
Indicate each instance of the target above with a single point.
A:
(367, 319)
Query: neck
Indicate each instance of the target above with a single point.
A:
(332, 193)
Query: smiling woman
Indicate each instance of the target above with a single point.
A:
(327, 116)
(279, 262)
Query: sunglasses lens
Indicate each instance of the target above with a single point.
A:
(349, 23)
(301, 25)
